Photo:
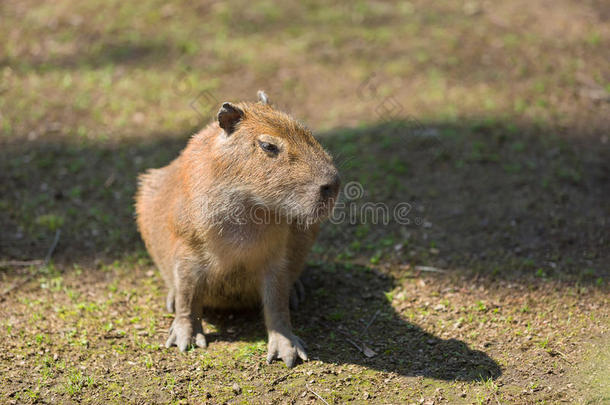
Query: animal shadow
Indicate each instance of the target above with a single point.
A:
(347, 319)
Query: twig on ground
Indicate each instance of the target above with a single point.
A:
(52, 248)
(563, 356)
(110, 180)
(356, 345)
(362, 347)
(8, 263)
(430, 269)
(114, 336)
(370, 323)
(42, 263)
(282, 378)
(316, 394)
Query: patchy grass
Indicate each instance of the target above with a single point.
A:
(482, 126)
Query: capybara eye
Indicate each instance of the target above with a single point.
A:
(268, 147)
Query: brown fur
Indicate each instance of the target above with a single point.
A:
(229, 224)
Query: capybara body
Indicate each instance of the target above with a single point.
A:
(230, 222)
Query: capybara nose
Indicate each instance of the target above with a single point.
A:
(331, 189)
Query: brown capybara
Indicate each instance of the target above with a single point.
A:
(230, 221)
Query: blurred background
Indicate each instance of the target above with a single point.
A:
(489, 120)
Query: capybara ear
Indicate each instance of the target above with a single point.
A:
(262, 97)
(229, 116)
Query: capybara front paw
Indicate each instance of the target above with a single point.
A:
(287, 347)
(186, 333)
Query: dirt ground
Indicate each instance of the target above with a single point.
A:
(482, 126)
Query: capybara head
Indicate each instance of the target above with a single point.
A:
(271, 160)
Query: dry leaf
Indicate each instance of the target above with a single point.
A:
(368, 352)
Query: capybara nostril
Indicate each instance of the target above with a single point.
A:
(331, 189)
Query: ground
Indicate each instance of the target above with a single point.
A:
(482, 126)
